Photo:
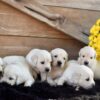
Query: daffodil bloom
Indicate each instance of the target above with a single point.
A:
(94, 38)
(98, 22)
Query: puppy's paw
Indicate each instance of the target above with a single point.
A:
(60, 83)
(29, 83)
(52, 83)
(77, 88)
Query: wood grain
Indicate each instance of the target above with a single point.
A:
(19, 33)
(80, 4)
(68, 27)
(82, 20)
(20, 24)
(13, 45)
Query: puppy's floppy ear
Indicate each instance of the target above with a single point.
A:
(79, 53)
(34, 60)
(66, 62)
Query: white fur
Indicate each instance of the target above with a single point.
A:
(16, 71)
(77, 76)
(61, 54)
(40, 60)
(85, 54)
(13, 59)
(58, 55)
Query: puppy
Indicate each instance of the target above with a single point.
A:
(87, 56)
(16, 71)
(59, 61)
(40, 61)
(12, 60)
(77, 75)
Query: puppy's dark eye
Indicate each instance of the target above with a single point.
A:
(91, 57)
(10, 78)
(83, 56)
(87, 79)
(55, 56)
(42, 62)
(64, 58)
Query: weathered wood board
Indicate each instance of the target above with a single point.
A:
(77, 22)
(80, 4)
(19, 33)
(22, 45)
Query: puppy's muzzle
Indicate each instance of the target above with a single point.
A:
(86, 63)
(92, 86)
(59, 63)
(47, 70)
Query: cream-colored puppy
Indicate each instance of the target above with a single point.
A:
(77, 75)
(16, 71)
(87, 56)
(13, 59)
(59, 61)
(40, 61)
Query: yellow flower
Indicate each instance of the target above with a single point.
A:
(94, 38)
(91, 37)
(97, 27)
(92, 29)
(98, 22)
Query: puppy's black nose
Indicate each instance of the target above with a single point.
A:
(47, 69)
(86, 63)
(59, 63)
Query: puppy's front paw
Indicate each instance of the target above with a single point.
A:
(51, 82)
(59, 83)
(77, 88)
(29, 83)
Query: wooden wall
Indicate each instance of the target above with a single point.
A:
(19, 33)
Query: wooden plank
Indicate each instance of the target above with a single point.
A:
(80, 19)
(68, 27)
(27, 26)
(11, 45)
(79, 4)
(20, 24)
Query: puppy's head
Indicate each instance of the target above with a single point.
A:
(87, 56)
(84, 78)
(8, 77)
(59, 57)
(40, 59)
